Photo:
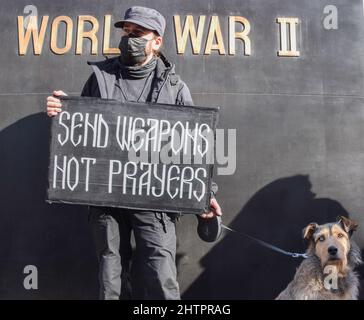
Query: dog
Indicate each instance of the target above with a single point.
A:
(328, 271)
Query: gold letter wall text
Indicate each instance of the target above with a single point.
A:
(202, 35)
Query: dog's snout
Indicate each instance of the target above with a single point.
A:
(332, 251)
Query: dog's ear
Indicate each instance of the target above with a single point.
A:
(347, 224)
(309, 231)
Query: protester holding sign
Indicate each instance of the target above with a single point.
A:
(140, 74)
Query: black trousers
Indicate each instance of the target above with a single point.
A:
(153, 273)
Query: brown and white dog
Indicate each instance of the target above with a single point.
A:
(328, 272)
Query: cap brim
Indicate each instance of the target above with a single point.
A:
(119, 24)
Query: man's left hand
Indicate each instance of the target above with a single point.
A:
(215, 210)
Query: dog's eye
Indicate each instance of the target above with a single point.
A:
(340, 235)
(321, 238)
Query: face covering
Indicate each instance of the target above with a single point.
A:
(132, 50)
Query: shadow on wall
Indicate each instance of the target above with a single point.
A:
(237, 268)
(54, 238)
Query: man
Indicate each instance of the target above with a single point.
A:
(142, 74)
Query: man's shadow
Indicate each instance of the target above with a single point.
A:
(54, 238)
(237, 268)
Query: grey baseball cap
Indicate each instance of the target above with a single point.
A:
(145, 17)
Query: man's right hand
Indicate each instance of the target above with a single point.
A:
(54, 105)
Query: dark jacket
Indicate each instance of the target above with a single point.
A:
(167, 86)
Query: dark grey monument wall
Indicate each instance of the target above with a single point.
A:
(299, 145)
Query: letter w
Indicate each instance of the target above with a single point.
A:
(38, 38)
(189, 29)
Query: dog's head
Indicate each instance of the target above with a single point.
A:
(331, 242)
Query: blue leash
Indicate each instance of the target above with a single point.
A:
(268, 245)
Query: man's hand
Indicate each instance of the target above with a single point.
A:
(215, 210)
(54, 105)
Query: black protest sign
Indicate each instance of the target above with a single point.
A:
(132, 155)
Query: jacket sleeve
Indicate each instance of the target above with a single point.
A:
(184, 98)
(184, 95)
(214, 188)
(91, 88)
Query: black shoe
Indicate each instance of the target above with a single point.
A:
(209, 229)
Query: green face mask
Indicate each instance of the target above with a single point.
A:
(132, 50)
